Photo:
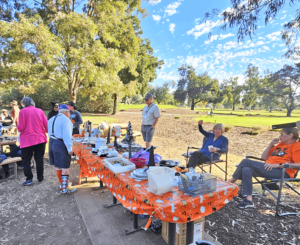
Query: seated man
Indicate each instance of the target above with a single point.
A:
(5, 116)
(215, 142)
(284, 149)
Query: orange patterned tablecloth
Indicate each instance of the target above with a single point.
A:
(175, 206)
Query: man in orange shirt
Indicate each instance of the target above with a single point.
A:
(287, 151)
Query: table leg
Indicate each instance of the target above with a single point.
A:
(135, 225)
(100, 187)
(190, 232)
(172, 234)
(114, 203)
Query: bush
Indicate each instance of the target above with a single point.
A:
(228, 127)
(177, 117)
(256, 129)
(241, 115)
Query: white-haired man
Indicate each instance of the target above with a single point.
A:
(60, 146)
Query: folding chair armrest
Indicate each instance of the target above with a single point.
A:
(256, 158)
(192, 147)
(291, 166)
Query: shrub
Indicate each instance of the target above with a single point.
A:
(256, 129)
(241, 115)
(177, 117)
(228, 127)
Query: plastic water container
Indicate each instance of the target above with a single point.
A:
(161, 179)
(100, 142)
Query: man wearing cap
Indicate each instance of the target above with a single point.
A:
(54, 110)
(5, 116)
(150, 117)
(60, 146)
(75, 117)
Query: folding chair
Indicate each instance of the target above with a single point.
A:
(268, 185)
(211, 162)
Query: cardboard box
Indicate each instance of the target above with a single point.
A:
(181, 231)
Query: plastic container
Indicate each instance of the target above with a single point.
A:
(199, 186)
(139, 162)
(118, 168)
(161, 179)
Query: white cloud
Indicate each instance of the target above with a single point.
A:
(225, 36)
(156, 17)
(212, 38)
(273, 36)
(168, 76)
(283, 11)
(168, 20)
(266, 48)
(262, 38)
(203, 28)
(172, 27)
(154, 2)
(283, 17)
(172, 8)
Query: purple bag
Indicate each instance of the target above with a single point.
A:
(146, 155)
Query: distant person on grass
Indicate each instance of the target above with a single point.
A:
(284, 149)
(33, 128)
(75, 117)
(60, 146)
(150, 118)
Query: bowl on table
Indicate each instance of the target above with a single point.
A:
(139, 162)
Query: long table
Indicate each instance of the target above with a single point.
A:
(173, 206)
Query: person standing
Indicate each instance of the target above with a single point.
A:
(54, 110)
(150, 115)
(60, 146)
(75, 117)
(33, 126)
(15, 111)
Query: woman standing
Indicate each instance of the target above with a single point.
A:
(33, 128)
(15, 111)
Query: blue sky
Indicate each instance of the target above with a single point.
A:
(178, 37)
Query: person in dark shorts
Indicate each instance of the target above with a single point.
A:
(150, 118)
(75, 117)
(60, 146)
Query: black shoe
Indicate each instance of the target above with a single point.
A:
(7, 175)
(245, 204)
(1, 177)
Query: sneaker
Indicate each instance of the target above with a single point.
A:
(28, 182)
(41, 181)
(69, 192)
(20, 167)
(246, 204)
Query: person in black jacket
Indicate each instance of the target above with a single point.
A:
(54, 110)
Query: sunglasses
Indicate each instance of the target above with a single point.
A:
(56, 106)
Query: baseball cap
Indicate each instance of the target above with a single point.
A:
(63, 108)
(148, 96)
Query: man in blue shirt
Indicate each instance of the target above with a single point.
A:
(60, 146)
(75, 117)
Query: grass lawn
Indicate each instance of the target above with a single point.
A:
(295, 113)
(124, 107)
(247, 121)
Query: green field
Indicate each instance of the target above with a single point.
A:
(248, 121)
(125, 107)
(295, 113)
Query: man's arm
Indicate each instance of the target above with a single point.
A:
(79, 119)
(155, 122)
(67, 134)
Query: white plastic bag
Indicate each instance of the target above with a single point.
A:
(161, 179)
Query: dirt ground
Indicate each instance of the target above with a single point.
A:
(39, 215)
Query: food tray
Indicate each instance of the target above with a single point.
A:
(198, 187)
(117, 167)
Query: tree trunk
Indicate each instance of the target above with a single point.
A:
(249, 108)
(233, 106)
(115, 104)
(193, 105)
(72, 96)
(270, 109)
(289, 112)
